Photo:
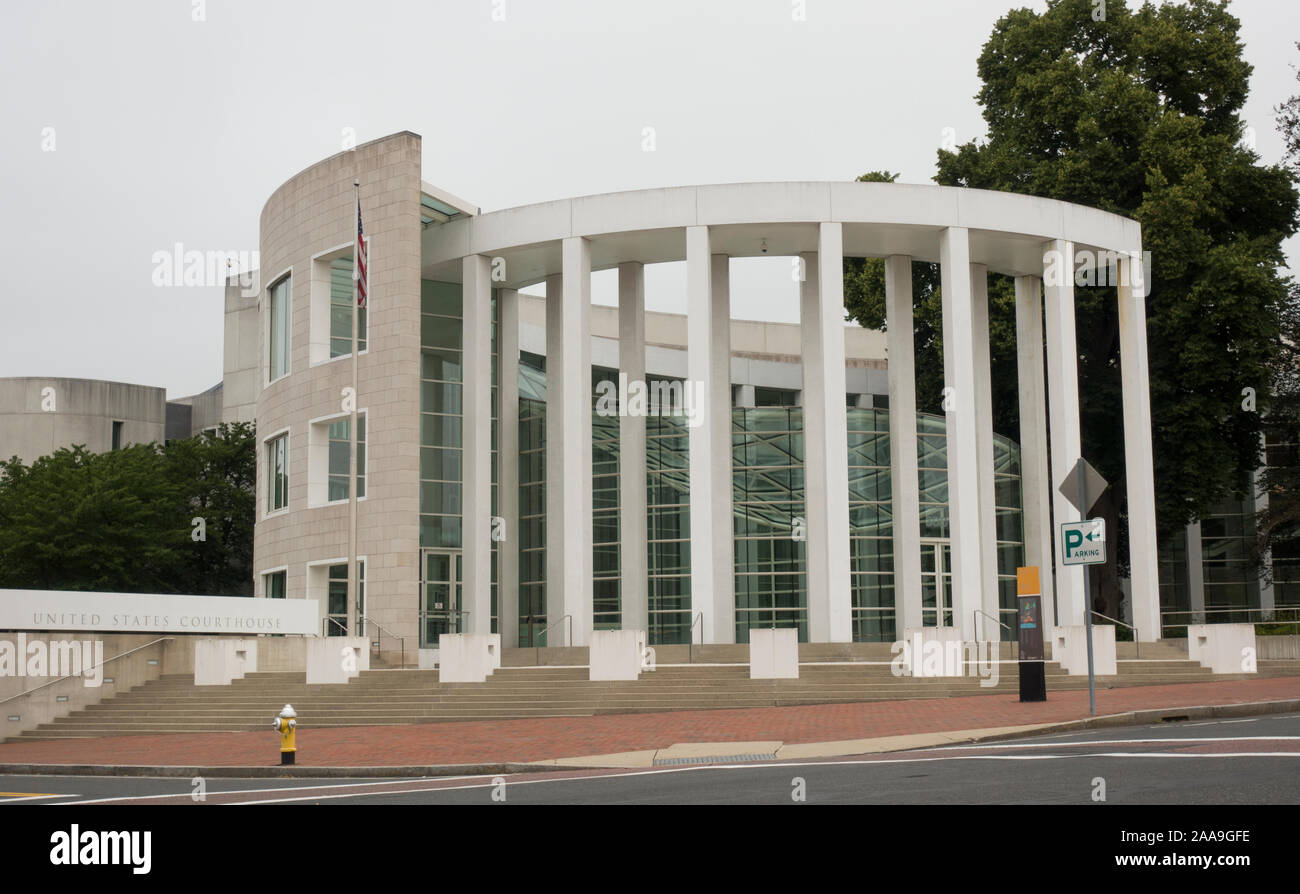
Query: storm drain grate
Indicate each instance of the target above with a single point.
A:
(725, 759)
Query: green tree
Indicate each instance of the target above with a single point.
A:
(217, 473)
(122, 521)
(76, 520)
(1279, 523)
(1139, 115)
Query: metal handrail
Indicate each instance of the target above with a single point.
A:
(690, 636)
(1210, 611)
(1267, 615)
(568, 636)
(161, 639)
(329, 619)
(975, 622)
(1137, 647)
(382, 631)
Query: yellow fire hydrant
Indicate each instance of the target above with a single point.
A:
(285, 725)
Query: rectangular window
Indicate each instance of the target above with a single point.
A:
(278, 336)
(117, 435)
(276, 584)
(342, 294)
(337, 595)
(339, 454)
(774, 397)
(277, 473)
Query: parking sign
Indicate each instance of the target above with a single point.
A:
(1083, 542)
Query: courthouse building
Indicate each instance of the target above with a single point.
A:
(511, 479)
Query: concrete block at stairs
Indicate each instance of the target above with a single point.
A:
(428, 659)
(219, 661)
(467, 657)
(1070, 649)
(616, 654)
(336, 659)
(1223, 648)
(774, 654)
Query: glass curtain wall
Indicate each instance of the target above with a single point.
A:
(606, 611)
(532, 498)
(769, 517)
(871, 526)
(668, 524)
(441, 422)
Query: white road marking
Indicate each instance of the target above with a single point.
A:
(428, 788)
(258, 791)
(18, 799)
(330, 791)
(1125, 742)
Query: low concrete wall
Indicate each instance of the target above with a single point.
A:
(327, 661)
(774, 654)
(1070, 649)
(1278, 647)
(218, 661)
(1223, 648)
(616, 654)
(465, 657)
(48, 702)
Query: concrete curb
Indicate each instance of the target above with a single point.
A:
(1161, 715)
(956, 737)
(1143, 717)
(297, 771)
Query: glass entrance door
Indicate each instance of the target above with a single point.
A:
(440, 583)
(936, 583)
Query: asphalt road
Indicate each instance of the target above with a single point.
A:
(1242, 761)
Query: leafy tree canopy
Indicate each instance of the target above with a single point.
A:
(123, 521)
(1138, 114)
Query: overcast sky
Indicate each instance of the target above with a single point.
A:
(167, 129)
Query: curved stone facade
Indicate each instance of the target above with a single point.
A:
(441, 370)
(40, 415)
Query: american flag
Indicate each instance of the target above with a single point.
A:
(359, 268)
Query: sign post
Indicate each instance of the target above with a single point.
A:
(1029, 599)
(1084, 543)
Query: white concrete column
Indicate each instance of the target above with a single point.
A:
(717, 415)
(987, 628)
(825, 439)
(959, 375)
(568, 444)
(631, 453)
(1195, 574)
(904, 480)
(745, 397)
(476, 462)
(1063, 412)
(508, 465)
(1035, 469)
(708, 365)
(1139, 467)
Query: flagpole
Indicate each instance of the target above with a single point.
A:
(353, 609)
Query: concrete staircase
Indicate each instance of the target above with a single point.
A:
(173, 704)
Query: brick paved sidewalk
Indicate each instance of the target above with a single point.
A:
(545, 739)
